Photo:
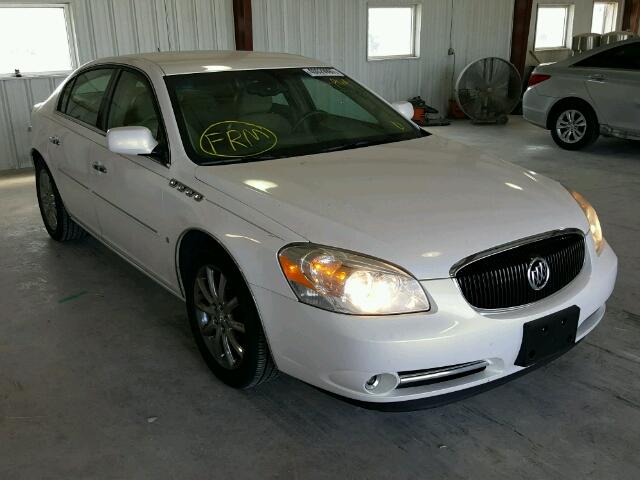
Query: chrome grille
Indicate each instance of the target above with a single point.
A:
(499, 280)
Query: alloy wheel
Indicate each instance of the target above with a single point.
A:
(48, 199)
(571, 126)
(215, 307)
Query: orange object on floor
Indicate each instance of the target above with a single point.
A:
(455, 111)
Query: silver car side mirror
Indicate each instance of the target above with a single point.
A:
(131, 140)
(404, 108)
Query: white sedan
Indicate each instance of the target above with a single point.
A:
(595, 92)
(312, 229)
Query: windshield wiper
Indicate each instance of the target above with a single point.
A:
(358, 144)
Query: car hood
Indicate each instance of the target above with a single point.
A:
(422, 204)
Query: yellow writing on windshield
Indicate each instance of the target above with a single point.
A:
(398, 125)
(237, 139)
(339, 82)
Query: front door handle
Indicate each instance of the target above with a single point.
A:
(55, 140)
(99, 167)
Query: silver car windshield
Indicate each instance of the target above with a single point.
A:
(263, 114)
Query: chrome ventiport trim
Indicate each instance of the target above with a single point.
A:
(189, 192)
(510, 246)
(441, 374)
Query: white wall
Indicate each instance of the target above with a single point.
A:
(111, 27)
(335, 31)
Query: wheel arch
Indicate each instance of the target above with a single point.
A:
(36, 156)
(187, 243)
(569, 101)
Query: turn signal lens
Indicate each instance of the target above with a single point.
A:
(346, 282)
(592, 218)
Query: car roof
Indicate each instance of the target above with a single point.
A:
(176, 63)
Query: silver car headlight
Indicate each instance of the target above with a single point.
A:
(345, 282)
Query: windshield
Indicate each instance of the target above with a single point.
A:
(262, 114)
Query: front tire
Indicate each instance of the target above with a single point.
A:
(56, 220)
(574, 126)
(225, 323)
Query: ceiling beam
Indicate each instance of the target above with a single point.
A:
(243, 24)
(631, 16)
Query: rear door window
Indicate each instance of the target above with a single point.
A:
(86, 95)
(624, 57)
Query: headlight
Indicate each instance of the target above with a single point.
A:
(592, 218)
(346, 282)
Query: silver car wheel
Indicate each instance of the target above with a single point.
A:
(48, 199)
(223, 334)
(571, 126)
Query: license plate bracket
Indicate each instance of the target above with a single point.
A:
(548, 336)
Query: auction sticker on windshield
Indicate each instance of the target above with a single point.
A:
(322, 72)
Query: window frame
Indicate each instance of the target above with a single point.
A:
(568, 26)
(415, 30)
(105, 104)
(71, 37)
(615, 22)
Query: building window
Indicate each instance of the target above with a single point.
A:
(605, 16)
(35, 39)
(552, 26)
(392, 31)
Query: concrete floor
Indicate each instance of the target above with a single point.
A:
(99, 377)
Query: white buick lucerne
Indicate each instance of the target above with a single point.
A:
(312, 229)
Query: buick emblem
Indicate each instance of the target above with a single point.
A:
(538, 273)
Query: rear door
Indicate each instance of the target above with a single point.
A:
(75, 132)
(129, 188)
(612, 79)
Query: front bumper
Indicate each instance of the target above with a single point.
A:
(339, 353)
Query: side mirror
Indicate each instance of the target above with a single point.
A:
(131, 140)
(404, 108)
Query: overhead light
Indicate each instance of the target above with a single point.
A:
(216, 68)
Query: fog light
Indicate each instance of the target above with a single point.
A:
(381, 384)
(372, 383)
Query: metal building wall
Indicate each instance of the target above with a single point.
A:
(111, 27)
(335, 31)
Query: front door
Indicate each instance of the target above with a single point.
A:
(129, 189)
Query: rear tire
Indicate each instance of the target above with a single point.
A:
(225, 322)
(56, 220)
(574, 126)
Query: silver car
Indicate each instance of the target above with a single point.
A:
(591, 93)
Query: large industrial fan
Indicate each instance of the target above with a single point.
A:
(488, 90)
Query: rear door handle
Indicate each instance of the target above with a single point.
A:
(55, 140)
(99, 167)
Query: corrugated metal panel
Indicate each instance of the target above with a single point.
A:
(112, 27)
(335, 31)
(17, 96)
